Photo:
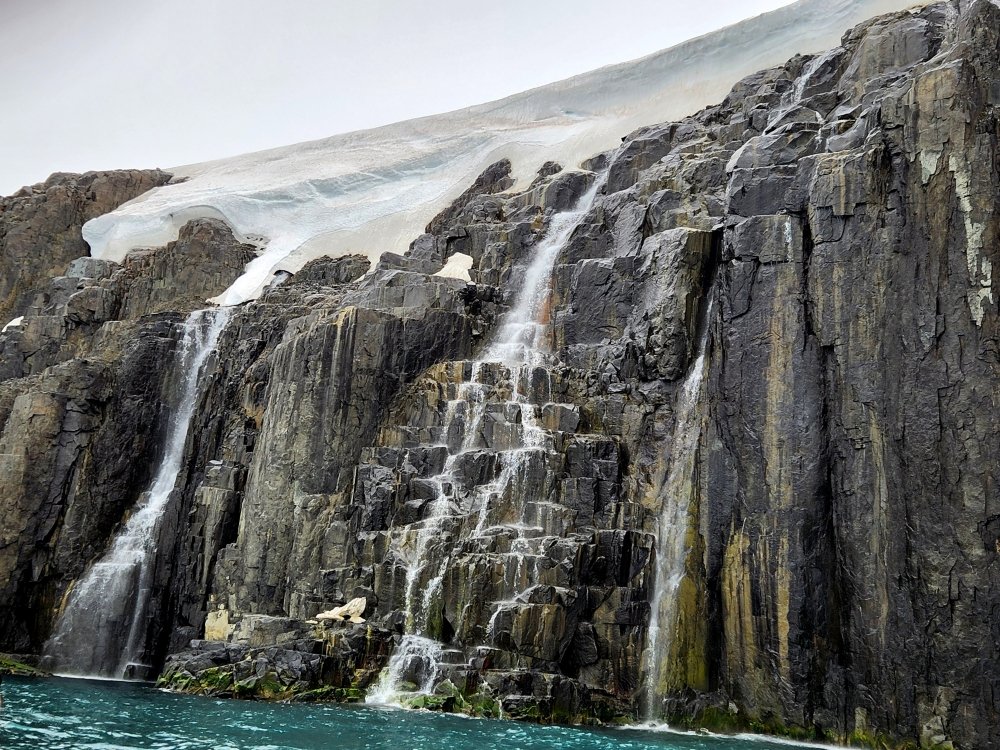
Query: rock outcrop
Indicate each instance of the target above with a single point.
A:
(40, 227)
(278, 658)
(773, 336)
(85, 396)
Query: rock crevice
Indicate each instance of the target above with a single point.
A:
(819, 248)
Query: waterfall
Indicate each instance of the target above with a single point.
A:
(676, 494)
(794, 96)
(516, 351)
(103, 627)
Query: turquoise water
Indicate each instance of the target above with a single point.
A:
(60, 713)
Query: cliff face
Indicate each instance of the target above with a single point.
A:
(852, 474)
(85, 394)
(773, 339)
(40, 227)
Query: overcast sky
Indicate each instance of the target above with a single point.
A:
(102, 84)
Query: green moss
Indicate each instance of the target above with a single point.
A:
(480, 704)
(214, 680)
(444, 703)
(269, 688)
(878, 741)
(317, 694)
(774, 726)
(448, 689)
(178, 681)
(19, 669)
(245, 688)
(716, 719)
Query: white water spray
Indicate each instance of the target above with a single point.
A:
(671, 545)
(519, 347)
(103, 628)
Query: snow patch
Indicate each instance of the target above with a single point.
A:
(374, 190)
(15, 323)
(457, 267)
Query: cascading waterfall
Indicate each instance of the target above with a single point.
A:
(103, 627)
(674, 525)
(794, 96)
(518, 347)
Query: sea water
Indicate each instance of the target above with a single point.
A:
(59, 713)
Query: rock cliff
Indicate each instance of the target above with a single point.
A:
(40, 227)
(760, 489)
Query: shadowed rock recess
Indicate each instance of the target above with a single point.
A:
(800, 277)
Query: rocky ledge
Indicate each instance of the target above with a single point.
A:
(277, 658)
(19, 665)
(771, 337)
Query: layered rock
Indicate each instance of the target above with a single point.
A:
(85, 396)
(40, 227)
(773, 336)
(278, 658)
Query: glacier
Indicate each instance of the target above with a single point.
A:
(374, 190)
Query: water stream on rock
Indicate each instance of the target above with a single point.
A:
(792, 99)
(501, 381)
(676, 494)
(103, 627)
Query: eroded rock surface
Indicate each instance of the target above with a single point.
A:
(40, 227)
(818, 248)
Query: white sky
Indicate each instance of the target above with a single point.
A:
(103, 84)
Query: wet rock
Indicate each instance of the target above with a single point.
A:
(818, 249)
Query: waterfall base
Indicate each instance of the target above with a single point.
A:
(104, 626)
(414, 669)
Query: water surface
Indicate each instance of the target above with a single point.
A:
(72, 714)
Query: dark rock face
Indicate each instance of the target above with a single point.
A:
(272, 657)
(40, 227)
(85, 394)
(75, 445)
(495, 179)
(182, 275)
(850, 478)
(776, 326)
